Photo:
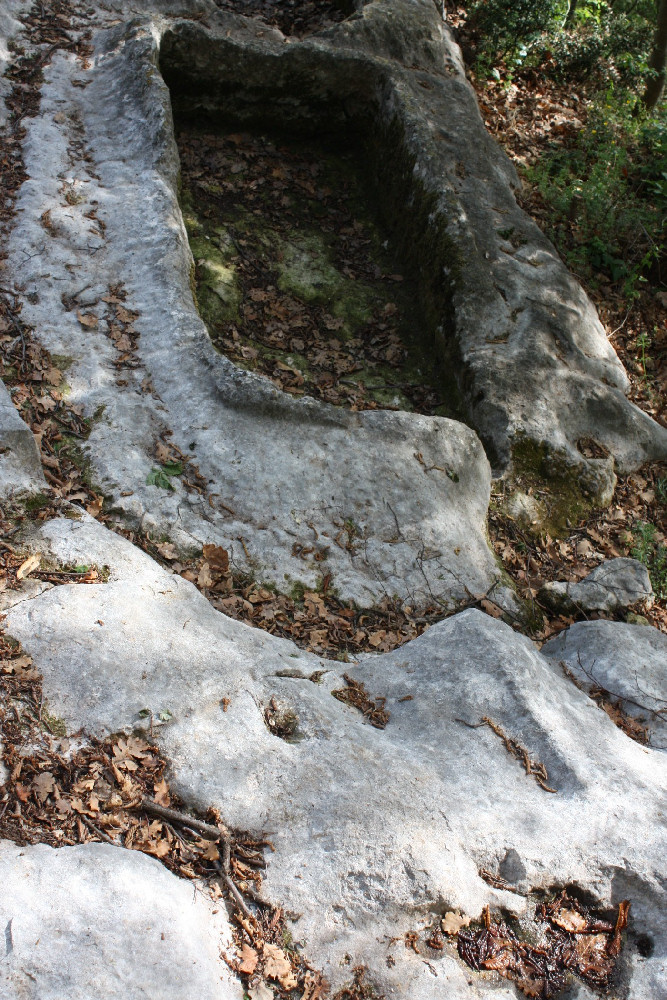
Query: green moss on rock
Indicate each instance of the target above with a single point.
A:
(554, 492)
(307, 272)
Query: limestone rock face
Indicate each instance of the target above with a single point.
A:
(99, 921)
(377, 832)
(614, 584)
(281, 472)
(521, 337)
(628, 661)
(20, 465)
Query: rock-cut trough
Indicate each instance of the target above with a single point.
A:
(291, 292)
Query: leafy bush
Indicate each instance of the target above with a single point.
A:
(607, 192)
(503, 26)
(610, 48)
(653, 554)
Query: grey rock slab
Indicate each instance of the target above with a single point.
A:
(20, 464)
(100, 921)
(614, 585)
(26, 590)
(376, 832)
(284, 475)
(628, 661)
(524, 341)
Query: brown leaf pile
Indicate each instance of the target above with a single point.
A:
(65, 790)
(356, 695)
(573, 942)
(120, 328)
(236, 178)
(58, 425)
(316, 621)
(69, 790)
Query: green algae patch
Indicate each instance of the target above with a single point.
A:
(218, 292)
(307, 273)
(549, 493)
(296, 280)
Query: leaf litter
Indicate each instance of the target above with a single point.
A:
(356, 695)
(572, 942)
(314, 620)
(340, 331)
(72, 789)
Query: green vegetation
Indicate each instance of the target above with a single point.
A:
(162, 476)
(561, 494)
(53, 724)
(35, 502)
(653, 554)
(610, 185)
(604, 184)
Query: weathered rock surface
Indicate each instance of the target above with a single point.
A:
(530, 354)
(99, 921)
(628, 661)
(284, 474)
(613, 585)
(20, 464)
(376, 832)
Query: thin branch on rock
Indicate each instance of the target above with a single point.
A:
(174, 816)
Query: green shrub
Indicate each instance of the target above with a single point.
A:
(502, 27)
(610, 47)
(653, 554)
(607, 192)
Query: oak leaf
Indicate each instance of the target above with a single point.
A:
(277, 966)
(452, 922)
(29, 566)
(570, 921)
(89, 320)
(162, 793)
(248, 960)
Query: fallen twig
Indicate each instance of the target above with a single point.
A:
(533, 767)
(100, 833)
(174, 816)
(236, 894)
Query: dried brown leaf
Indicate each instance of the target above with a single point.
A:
(452, 922)
(43, 785)
(248, 959)
(89, 320)
(277, 966)
(29, 566)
